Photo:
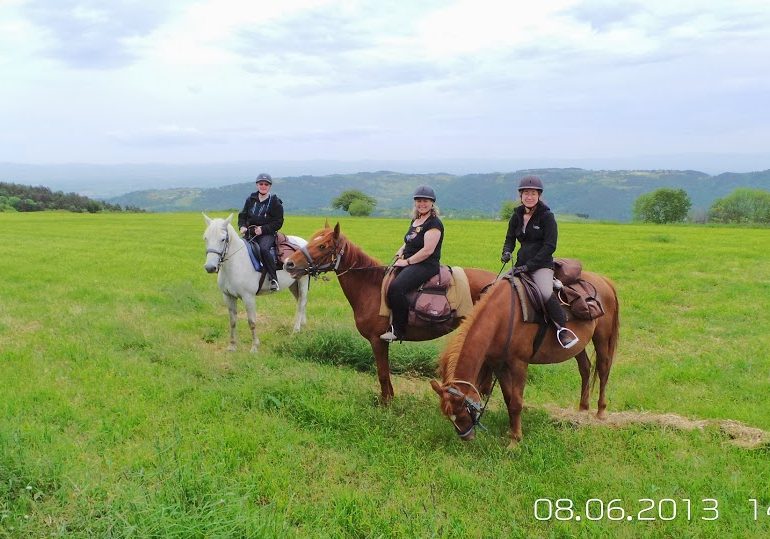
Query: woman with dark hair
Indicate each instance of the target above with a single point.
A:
(534, 226)
(418, 258)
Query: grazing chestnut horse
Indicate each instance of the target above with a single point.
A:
(493, 340)
(360, 277)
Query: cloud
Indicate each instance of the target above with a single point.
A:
(167, 136)
(93, 34)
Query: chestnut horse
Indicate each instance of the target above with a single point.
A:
(493, 340)
(360, 277)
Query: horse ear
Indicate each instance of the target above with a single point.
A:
(437, 387)
(326, 223)
(229, 218)
(337, 230)
(207, 218)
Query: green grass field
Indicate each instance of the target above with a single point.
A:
(122, 415)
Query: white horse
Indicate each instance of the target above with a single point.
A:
(226, 254)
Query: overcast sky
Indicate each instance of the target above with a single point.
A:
(183, 81)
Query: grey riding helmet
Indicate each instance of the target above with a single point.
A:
(265, 177)
(425, 191)
(531, 182)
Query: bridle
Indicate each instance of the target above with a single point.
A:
(314, 270)
(474, 408)
(222, 253)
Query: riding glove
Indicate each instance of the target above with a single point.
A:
(505, 257)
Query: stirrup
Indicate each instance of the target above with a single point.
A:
(570, 333)
(274, 287)
(390, 335)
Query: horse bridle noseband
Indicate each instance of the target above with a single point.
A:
(223, 252)
(474, 409)
(314, 269)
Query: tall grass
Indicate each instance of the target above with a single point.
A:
(121, 414)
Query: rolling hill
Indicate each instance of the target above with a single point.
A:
(599, 194)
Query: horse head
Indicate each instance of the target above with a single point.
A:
(322, 253)
(217, 238)
(464, 412)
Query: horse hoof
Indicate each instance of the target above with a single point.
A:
(513, 445)
(601, 414)
(254, 349)
(231, 348)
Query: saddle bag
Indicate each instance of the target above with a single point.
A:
(580, 298)
(429, 304)
(567, 270)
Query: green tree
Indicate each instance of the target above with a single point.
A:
(360, 208)
(507, 208)
(742, 206)
(662, 206)
(356, 201)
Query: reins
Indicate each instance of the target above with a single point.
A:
(314, 270)
(475, 409)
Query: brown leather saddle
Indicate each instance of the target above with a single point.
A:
(281, 250)
(577, 296)
(429, 304)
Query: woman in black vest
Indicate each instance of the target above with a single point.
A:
(418, 259)
(261, 218)
(533, 224)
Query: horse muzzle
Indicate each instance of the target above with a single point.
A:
(210, 268)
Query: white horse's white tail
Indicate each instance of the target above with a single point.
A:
(226, 255)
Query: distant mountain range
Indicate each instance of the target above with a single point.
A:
(598, 194)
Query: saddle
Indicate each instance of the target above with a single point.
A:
(280, 251)
(576, 295)
(436, 303)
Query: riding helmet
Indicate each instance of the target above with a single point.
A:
(265, 177)
(425, 191)
(531, 182)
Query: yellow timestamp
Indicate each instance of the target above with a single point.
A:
(617, 509)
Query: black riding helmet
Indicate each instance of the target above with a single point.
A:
(425, 191)
(264, 177)
(531, 182)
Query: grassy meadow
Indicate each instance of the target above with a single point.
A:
(122, 415)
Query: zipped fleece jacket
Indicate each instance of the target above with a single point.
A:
(538, 241)
(267, 214)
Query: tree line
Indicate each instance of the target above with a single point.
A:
(743, 205)
(25, 198)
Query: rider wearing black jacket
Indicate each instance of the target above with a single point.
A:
(260, 219)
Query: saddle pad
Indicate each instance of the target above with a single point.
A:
(527, 312)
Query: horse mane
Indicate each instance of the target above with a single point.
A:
(451, 355)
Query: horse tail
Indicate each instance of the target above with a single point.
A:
(614, 336)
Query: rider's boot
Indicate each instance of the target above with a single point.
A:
(565, 336)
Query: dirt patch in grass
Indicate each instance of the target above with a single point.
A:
(739, 434)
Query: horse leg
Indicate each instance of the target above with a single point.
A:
(300, 289)
(250, 302)
(584, 366)
(512, 380)
(603, 366)
(232, 309)
(380, 349)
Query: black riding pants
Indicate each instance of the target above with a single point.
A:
(267, 242)
(409, 278)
